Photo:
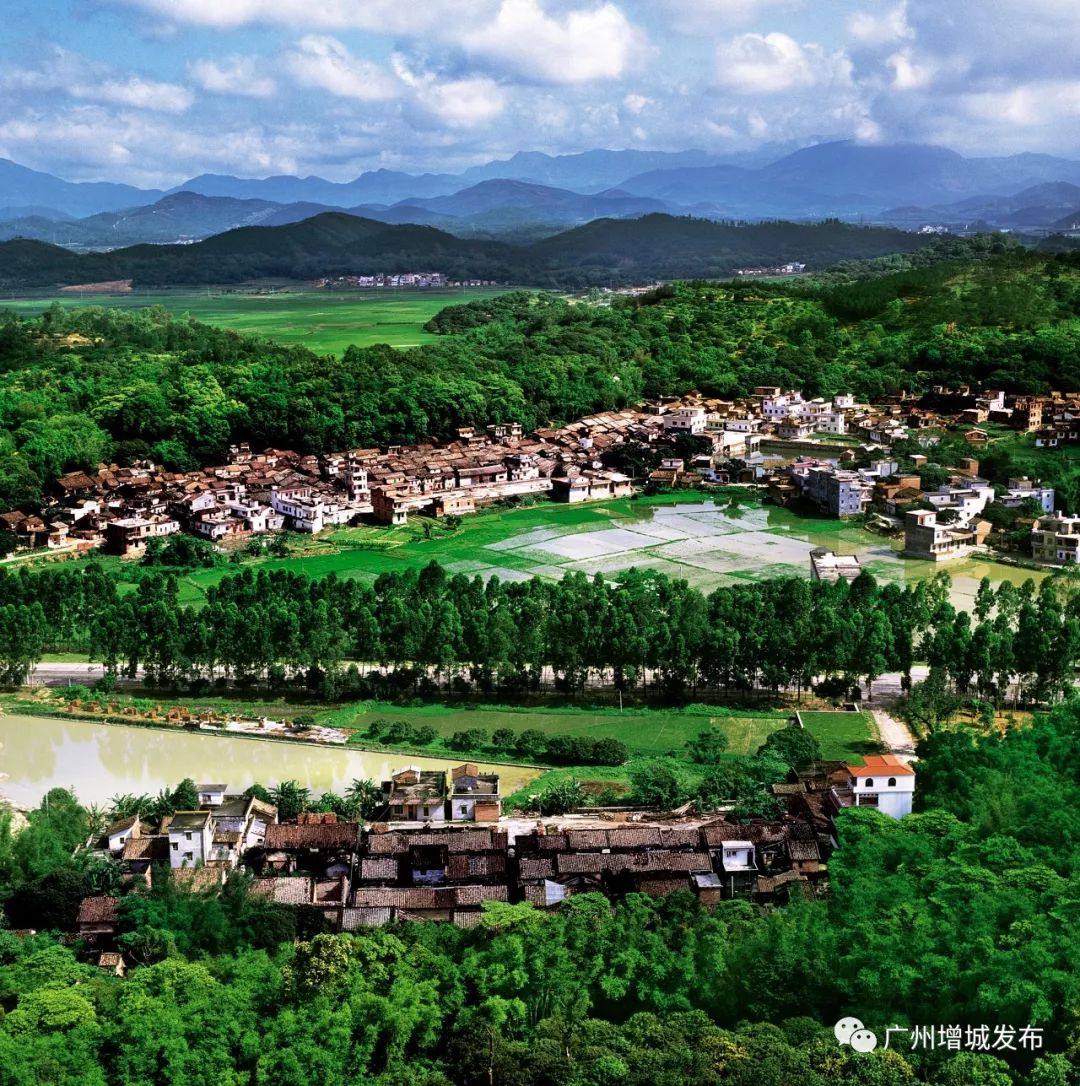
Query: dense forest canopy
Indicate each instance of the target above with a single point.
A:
(81, 385)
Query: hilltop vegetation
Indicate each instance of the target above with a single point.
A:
(79, 386)
(333, 243)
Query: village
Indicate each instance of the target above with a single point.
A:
(439, 848)
(834, 456)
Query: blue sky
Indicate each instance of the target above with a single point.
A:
(154, 91)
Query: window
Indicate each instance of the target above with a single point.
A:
(892, 782)
(463, 809)
(187, 836)
(426, 812)
(188, 857)
(868, 800)
(869, 782)
(175, 846)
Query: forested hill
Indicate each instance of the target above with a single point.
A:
(78, 386)
(604, 251)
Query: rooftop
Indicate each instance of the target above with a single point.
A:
(881, 765)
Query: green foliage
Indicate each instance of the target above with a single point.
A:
(708, 746)
(794, 746)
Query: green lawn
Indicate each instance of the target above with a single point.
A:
(325, 321)
(646, 732)
(843, 736)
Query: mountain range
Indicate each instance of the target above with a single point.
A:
(333, 244)
(531, 194)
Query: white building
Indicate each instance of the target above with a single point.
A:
(687, 420)
(885, 783)
(191, 837)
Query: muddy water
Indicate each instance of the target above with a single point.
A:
(102, 760)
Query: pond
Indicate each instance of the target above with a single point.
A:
(104, 760)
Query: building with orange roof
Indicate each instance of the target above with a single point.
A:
(884, 782)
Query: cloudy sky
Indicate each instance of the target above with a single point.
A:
(154, 91)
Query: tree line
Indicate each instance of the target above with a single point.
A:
(427, 630)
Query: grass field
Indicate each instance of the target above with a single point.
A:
(646, 732)
(325, 322)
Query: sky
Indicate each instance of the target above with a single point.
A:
(152, 92)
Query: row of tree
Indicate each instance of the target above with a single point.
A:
(428, 629)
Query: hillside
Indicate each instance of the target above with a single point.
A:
(336, 243)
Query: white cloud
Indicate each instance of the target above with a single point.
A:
(140, 93)
(774, 63)
(694, 16)
(1027, 105)
(884, 29)
(234, 75)
(389, 16)
(325, 63)
(909, 73)
(583, 45)
(61, 71)
(636, 103)
(457, 103)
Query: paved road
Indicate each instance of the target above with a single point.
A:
(54, 674)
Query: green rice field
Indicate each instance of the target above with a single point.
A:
(323, 321)
(704, 541)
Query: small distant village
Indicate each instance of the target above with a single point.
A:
(119, 510)
(402, 279)
(439, 848)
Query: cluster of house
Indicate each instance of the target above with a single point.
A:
(357, 876)
(401, 279)
(122, 508)
(951, 528)
(382, 279)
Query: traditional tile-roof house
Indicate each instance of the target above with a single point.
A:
(124, 830)
(98, 918)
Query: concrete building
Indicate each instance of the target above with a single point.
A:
(686, 420)
(926, 538)
(885, 783)
(191, 837)
(1024, 489)
(474, 796)
(827, 566)
(1056, 539)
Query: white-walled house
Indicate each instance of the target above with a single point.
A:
(191, 838)
(885, 783)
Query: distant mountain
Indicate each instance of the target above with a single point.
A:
(187, 216)
(850, 179)
(377, 186)
(1038, 207)
(584, 172)
(507, 202)
(605, 250)
(30, 189)
(831, 179)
